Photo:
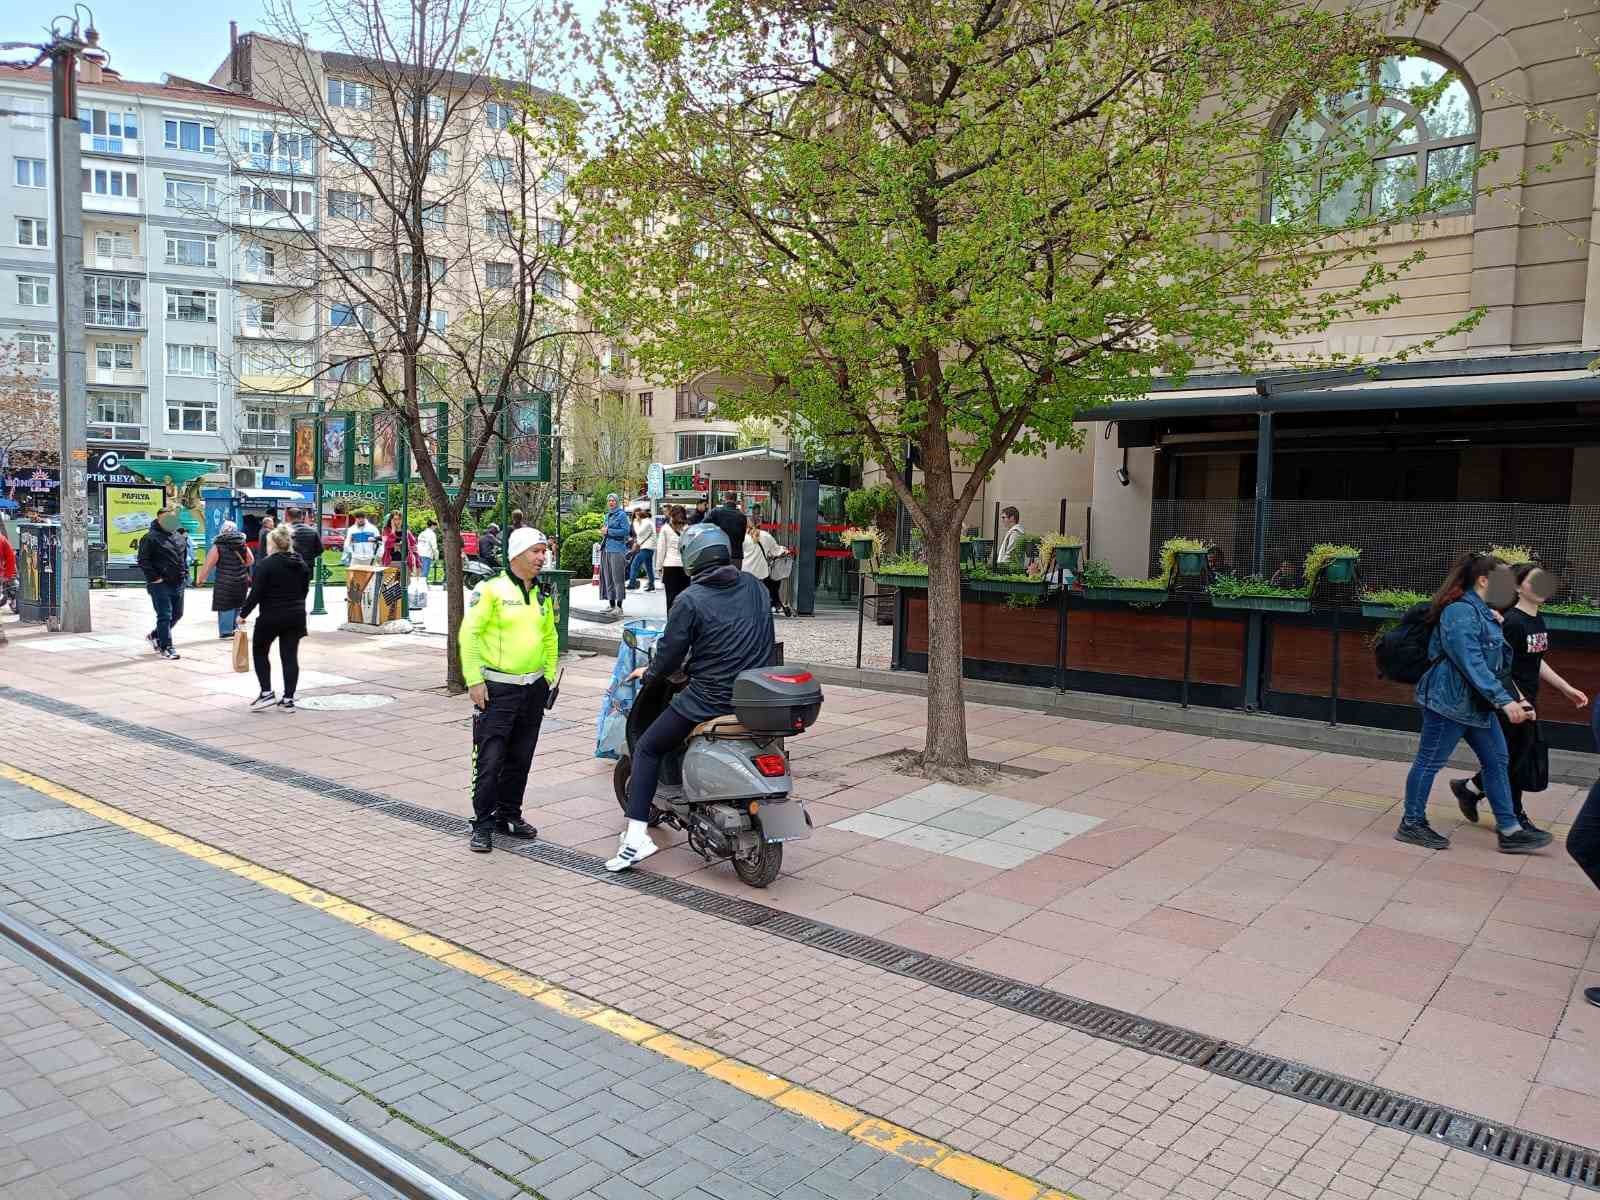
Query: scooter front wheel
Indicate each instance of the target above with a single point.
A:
(762, 867)
(620, 775)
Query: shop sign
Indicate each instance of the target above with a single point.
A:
(105, 467)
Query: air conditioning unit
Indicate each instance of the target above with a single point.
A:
(244, 477)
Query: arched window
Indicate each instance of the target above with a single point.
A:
(1414, 132)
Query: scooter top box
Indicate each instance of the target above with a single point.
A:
(779, 700)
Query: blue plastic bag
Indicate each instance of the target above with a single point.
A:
(611, 727)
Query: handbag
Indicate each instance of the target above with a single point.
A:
(241, 651)
(781, 566)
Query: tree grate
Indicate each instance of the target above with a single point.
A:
(1562, 1161)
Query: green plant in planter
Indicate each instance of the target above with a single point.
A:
(1584, 606)
(1393, 597)
(1183, 555)
(902, 564)
(1060, 550)
(864, 541)
(1514, 555)
(1338, 561)
(1232, 587)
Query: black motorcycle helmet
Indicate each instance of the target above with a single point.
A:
(703, 547)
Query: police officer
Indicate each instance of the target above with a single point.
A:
(509, 657)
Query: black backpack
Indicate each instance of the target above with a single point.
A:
(1402, 652)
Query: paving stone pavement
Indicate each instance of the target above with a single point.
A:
(487, 1086)
(88, 1110)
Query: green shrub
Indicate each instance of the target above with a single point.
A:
(1321, 555)
(589, 520)
(864, 506)
(575, 551)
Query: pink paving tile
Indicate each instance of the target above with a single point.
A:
(1572, 1065)
(883, 853)
(1508, 970)
(1149, 955)
(1544, 914)
(1100, 903)
(1348, 892)
(1331, 822)
(1336, 1047)
(1212, 1013)
(1415, 982)
(1541, 945)
(1112, 848)
(1064, 934)
(1440, 869)
(1018, 960)
(1390, 860)
(1219, 906)
(1448, 1079)
(1189, 929)
(943, 938)
(1247, 979)
(862, 914)
(1293, 938)
(1444, 923)
(1300, 845)
(844, 873)
(916, 891)
(1355, 1008)
(1226, 833)
(1116, 986)
(1500, 1005)
(1559, 1113)
(1041, 880)
(1402, 947)
(1513, 1052)
(979, 911)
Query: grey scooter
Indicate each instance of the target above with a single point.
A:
(728, 787)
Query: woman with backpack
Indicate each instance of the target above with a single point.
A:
(1466, 682)
(1524, 631)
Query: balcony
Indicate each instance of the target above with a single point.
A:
(95, 202)
(103, 431)
(277, 380)
(111, 318)
(128, 264)
(264, 439)
(281, 330)
(117, 376)
(100, 143)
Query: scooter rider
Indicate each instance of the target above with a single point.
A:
(509, 655)
(722, 624)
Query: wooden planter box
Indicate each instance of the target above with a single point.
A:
(1573, 622)
(1287, 604)
(911, 583)
(1128, 595)
(1007, 587)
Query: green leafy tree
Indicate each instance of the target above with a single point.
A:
(956, 224)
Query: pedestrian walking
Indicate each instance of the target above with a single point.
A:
(263, 530)
(509, 657)
(1459, 693)
(305, 536)
(1525, 632)
(279, 592)
(231, 560)
(644, 550)
(669, 543)
(614, 551)
(164, 557)
(1583, 839)
(760, 550)
(428, 547)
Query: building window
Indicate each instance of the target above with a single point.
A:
(357, 262)
(497, 275)
(33, 231)
(116, 416)
(349, 316)
(498, 170)
(191, 249)
(110, 183)
(555, 181)
(35, 349)
(113, 356)
(260, 262)
(703, 445)
(647, 404)
(113, 245)
(184, 359)
(497, 114)
(433, 216)
(33, 291)
(436, 319)
(258, 198)
(261, 314)
(191, 304)
(353, 206)
(436, 267)
(551, 232)
(434, 106)
(27, 112)
(30, 172)
(191, 416)
(187, 192)
(342, 93)
(265, 428)
(355, 151)
(551, 285)
(1410, 145)
(269, 150)
(350, 370)
(107, 129)
(439, 162)
(190, 135)
(113, 303)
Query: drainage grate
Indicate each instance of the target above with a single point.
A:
(1562, 1161)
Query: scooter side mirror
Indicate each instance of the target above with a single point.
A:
(630, 639)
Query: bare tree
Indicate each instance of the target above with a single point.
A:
(29, 419)
(433, 255)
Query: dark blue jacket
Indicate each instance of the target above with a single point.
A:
(618, 530)
(725, 618)
(1468, 646)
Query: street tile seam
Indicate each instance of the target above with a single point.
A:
(958, 1166)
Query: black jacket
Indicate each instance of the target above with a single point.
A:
(164, 557)
(279, 591)
(725, 617)
(307, 542)
(231, 576)
(489, 549)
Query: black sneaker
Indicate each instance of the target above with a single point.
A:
(287, 704)
(1522, 819)
(1524, 841)
(1421, 834)
(151, 638)
(170, 654)
(1592, 995)
(482, 841)
(1467, 798)
(517, 829)
(263, 702)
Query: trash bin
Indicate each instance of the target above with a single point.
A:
(561, 581)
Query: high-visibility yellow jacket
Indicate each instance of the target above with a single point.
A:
(509, 628)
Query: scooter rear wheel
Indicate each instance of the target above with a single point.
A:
(620, 775)
(763, 868)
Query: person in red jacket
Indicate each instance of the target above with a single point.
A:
(8, 558)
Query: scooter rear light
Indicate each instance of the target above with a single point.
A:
(771, 765)
(793, 677)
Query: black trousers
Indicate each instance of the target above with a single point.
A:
(1519, 744)
(505, 734)
(1583, 842)
(288, 635)
(674, 579)
(774, 592)
(666, 734)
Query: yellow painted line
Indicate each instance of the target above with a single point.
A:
(989, 1178)
(1174, 770)
(1118, 760)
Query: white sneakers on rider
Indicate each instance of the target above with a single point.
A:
(634, 847)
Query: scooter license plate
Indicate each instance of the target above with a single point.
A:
(784, 821)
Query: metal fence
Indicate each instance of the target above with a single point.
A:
(1403, 545)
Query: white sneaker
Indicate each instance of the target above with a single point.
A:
(263, 702)
(630, 854)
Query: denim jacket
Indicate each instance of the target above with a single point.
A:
(618, 530)
(1467, 638)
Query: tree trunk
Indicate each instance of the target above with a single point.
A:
(455, 681)
(945, 753)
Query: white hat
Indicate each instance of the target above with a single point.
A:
(524, 539)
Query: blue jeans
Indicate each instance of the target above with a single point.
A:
(167, 599)
(644, 563)
(1439, 737)
(427, 569)
(227, 620)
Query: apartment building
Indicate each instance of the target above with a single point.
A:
(194, 349)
